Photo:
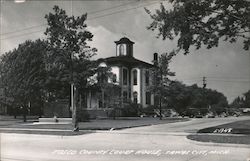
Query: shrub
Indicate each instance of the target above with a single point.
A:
(148, 111)
(131, 110)
(82, 115)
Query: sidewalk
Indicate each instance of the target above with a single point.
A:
(85, 127)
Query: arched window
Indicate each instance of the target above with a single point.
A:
(135, 96)
(135, 77)
(121, 50)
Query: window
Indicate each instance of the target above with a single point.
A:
(135, 95)
(135, 77)
(148, 98)
(147, 78)
(114, 78)
(125, 76)
(121, 49)
(125, 96)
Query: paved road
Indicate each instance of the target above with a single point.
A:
(166, 142)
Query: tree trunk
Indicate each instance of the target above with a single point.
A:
(74, 111)
(160, 109)
(103, 98)
(24, 114)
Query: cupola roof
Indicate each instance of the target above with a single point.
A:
(124, 40)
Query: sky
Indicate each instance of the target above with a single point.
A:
(226, 68)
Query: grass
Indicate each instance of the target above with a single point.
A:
(238, 127)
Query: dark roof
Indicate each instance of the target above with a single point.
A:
(124, 40)
(127, 61)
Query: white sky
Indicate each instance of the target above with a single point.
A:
(227, 67)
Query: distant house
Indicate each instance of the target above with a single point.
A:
(133, 76)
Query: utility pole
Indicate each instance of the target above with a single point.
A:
(161, 82)
(73, 89)
(204, 82)
(204, 92)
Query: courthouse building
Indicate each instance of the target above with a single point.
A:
(133, 76)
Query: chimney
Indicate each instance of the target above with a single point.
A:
(155, 61)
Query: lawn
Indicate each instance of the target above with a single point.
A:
(235, 133)
(238, 127)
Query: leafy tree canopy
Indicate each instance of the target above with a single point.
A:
(241, 102)
(161, 73)
(203, 22)
(181, 97)
(68, 52)
(23, 73)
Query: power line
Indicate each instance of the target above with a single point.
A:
(89, 19)
(105, 9)
(109, 14)
(28, 28)
(225, 77)
(239, 81)
(41, 25)
(20, 35)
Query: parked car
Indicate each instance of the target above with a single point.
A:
(198, 115)
(210, 115)
(237, 114)
(223, 114)
(191, 113)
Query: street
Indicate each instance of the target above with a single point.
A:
(166, 142)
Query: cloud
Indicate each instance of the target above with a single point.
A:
(103, 40)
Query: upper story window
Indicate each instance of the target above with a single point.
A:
(147, 77)
(135, 77)
(125, 76)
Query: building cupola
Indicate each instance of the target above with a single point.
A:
(124, 47)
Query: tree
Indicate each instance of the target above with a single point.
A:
(69, 54)
(241, 102)
(23, 76)
(103, 81)
(182, 98)
(179, 96)
(247, 99)
(203, 22)
(161, 79)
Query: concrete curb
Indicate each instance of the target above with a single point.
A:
(217, 144)
(24, 129)
(145, 133)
